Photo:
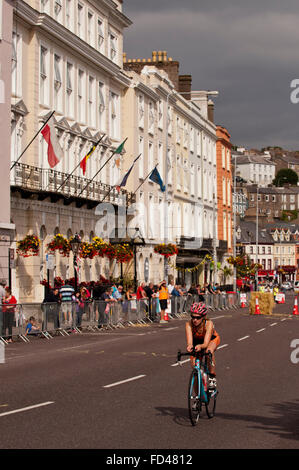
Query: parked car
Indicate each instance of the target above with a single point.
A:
(286, 286)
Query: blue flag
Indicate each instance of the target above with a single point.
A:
(156, 178)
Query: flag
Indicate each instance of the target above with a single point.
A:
(55, 153)
(156, 178)
(120, 147)
(126, 176)
(84, 160)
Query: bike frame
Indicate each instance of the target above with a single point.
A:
(202, 394)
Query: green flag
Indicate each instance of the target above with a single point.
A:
(120, 148)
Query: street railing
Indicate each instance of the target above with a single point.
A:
(98, 315)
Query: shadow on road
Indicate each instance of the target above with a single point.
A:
(179, 415)
(284, 424)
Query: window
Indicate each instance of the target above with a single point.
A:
(69, 14)
(57, 83)
(81, 96)
(150, 156)
(192, 180)
(169, 120)
(114, 131)
(80, 21)
(186, 134)
(16, 65)
(151, 117)
(45, 6)
(266, 197)
(141, 159)
(178, 130)
(58, 10)
(91, 102)
(141, 111)
(44, 78)
(101, 106)
(192, 139)
(160, 159)
(273, 198)
(160, 114)
(100, 35)
(90, 29)
(113, 47)
(69, 90)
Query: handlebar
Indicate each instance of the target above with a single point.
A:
(193, 353)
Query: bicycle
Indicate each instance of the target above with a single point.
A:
(198, 391)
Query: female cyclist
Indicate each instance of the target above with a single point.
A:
(201, 334)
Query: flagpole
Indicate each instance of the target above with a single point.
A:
(100, 169)
(112, 187)
(145, 179)
(14, 164)
(68, 177)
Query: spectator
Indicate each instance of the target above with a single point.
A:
(2, 294)
(141, 295)
(118, 293)
(79, 308)
(107, 300)
(51, 306)
(32, 327)
(66, 293)
(9, 303)
(149, 290)
(163, 298)
(170, 287)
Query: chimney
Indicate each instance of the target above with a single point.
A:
(164, 56)
(211, 111)
(160, 56)
(124, 57)
(185, 82)
(154, 56)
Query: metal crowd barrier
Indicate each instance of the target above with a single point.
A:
(98, 315)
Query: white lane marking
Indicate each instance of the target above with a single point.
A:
(283, 319)
(273, 324)
(182, 362)
(124, 381)
(27, 408)
(244, 337)
(262, 329)
(222, 346)
(216, 318)
(173, 328)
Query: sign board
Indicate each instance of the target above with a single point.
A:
(243, 297)
(50, 261)
(280, 298)
(146, 270)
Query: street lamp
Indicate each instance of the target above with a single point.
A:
(257, 237)
(75, 245)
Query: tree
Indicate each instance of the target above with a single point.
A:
(285, 175)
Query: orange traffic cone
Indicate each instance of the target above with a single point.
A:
(257, 307)
(243, 304)
(166, 317)
(295, 309)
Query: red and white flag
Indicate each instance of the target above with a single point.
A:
(55, 152)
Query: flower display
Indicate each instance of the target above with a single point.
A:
(87, 250)
(99, 246)
(58, 282)
(61, 244)
(123, 253)
(244, 266)
(166, 250)
(29, 246)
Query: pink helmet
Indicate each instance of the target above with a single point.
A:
(199, 308)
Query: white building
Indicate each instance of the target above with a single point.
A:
(256, 169)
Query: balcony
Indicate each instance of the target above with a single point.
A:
(45, 183)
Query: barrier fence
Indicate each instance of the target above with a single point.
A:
(98, 315)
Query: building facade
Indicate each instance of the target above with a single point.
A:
(256, 169)
(72, 52)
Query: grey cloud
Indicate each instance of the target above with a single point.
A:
(249, 53)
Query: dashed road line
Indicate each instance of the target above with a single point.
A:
(244, 337)
(27, 408)
(222, 346)
(273, 324)
(259, 331)
(124, 381)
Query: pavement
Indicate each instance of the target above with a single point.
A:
(122, 389)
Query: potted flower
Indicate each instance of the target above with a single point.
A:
(87, 250)
(29, 246)
(123, 253)
(99, 246)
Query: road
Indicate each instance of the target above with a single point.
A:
(123, 390)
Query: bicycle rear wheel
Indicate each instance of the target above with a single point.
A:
(211, 404)
(194, 402)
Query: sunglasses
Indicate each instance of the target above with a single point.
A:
(195, 318)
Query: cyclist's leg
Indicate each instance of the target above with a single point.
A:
(213, 345)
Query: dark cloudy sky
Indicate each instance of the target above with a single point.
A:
(248, 50)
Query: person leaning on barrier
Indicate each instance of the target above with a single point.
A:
(2, 294)
(51, 305)
(32, 328)
(149, 290)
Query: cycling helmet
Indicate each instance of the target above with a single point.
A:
(199, 308)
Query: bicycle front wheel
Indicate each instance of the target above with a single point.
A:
(194, 402)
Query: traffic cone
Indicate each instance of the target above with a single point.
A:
(166, 317)
(295, 309)
(257, 307)
(243, 304)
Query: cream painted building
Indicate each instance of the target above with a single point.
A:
(67, 57)
(172, 132)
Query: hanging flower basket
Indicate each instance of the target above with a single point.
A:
(61, 244)
(99, 246)
(123, 253)
(110, 251)
(87, 250)
(166, 250)
(29, 246)
(58, 282)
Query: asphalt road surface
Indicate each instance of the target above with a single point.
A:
(122, 389)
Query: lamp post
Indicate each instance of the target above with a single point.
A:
(75, 244)
(257, 237)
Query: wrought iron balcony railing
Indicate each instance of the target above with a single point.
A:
(50, 181)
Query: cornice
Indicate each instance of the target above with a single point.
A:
(147, 91)
(45, 24)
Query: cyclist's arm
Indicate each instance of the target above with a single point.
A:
(189, 337)
(208, 335)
